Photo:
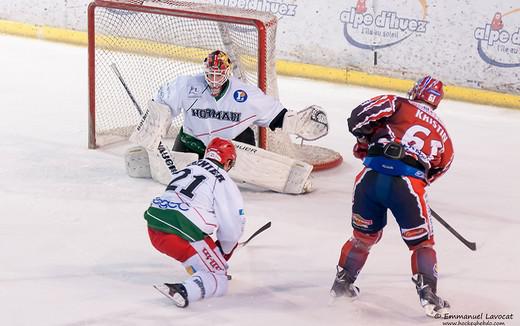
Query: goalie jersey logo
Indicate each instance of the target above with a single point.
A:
(240, 96)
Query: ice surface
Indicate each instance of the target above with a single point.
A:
(74, 248)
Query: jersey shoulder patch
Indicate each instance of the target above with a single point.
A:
(240, 95)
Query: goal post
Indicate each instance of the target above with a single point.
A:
(154, 41)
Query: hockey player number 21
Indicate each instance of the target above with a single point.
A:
(412, 139)
(187, 191)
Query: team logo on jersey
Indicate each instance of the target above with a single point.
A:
(240, 96)
(213, 114)
(193, 92)
(164, 203)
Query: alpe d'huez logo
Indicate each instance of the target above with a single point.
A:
(279, 8)
(499, 40)
(368, 29)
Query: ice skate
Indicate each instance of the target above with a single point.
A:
(176, 292)
(433, 305)
(342, 286)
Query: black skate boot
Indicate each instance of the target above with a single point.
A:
(432, 304)
(176, 292)
(343, 286)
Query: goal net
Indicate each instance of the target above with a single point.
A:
(152, 42)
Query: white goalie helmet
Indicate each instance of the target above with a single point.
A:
(217, 69)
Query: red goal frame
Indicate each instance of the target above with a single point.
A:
(138, 6)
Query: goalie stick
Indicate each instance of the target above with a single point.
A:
(163, 150)
(469, 244)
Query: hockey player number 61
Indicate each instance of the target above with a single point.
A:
(412, 139)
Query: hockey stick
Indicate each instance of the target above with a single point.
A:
(257, 232)
(163, 150)
(469, 244)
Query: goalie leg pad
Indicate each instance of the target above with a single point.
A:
(162, 173)
(137, 162)
(153, 126)
(269, 170)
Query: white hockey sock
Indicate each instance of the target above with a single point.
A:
(205, 285)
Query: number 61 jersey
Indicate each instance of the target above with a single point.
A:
(207, 200)
(410, 123)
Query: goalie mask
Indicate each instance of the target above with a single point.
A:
(427, 89)
(217, 69)
(222, 151)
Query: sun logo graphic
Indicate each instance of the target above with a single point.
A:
(498, 42)
(392, 24)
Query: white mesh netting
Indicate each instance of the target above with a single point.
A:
(154, 41)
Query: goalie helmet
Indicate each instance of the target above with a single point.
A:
(427, 89)
(217, 69)
(222, 151)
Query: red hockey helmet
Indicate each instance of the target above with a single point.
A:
(222, 151)
(217, 69)
(427, 89)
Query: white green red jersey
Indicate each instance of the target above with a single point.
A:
(200, 200)
(226, 116)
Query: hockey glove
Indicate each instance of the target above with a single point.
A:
(309, 124)
(226, 256)
(360, 150)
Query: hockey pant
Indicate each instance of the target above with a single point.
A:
(374, 194)
(202, 260)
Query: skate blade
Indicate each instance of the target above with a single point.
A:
(430, 311)
(177, 299)
(334, 298)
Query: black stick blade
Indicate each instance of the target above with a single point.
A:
(257, 232)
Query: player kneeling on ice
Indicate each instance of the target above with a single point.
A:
(200, 200)
(404, 147)
(216, 104)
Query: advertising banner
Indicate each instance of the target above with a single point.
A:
(473, 44)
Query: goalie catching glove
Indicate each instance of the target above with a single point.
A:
(309, 124)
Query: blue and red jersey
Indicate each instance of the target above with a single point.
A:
(412, 124)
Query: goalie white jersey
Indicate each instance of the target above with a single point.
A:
(205, 117)
(204, 194)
